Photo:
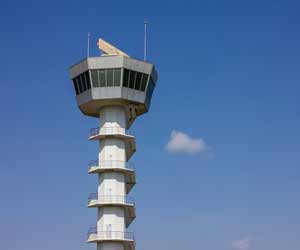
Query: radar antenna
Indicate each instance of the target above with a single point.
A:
(108, 49)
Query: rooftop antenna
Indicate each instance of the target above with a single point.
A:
(145, 39)
(88, 44)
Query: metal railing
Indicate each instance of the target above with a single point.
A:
(107, 199)
(110, 130)
(111, 164)
(110, 235)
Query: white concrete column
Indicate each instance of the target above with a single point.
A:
(111, 183)
(112, 151)
(111, 219)
(110, 246)
(113, 118)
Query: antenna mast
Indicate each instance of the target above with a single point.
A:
(145, 39)
(88, 45)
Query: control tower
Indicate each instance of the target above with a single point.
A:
(116, 89)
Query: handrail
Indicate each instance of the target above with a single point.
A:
(111, 164)
(111, 130)
(111, 235)
(111, 199)
(92, 230)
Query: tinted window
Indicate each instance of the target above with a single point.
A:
(132, 79)
(138, 81)
(79, 84)
(126, 78)
(102, 78)
(110, 77)
(75, 86)
(117, 77)
(144, 82)
(83, 82)
(95, 78)
(87, 79)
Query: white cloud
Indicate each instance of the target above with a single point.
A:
(242, 244)
(182, 143)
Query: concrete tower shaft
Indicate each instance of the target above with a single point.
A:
(112, 184)
(111, 219)
(115, 210)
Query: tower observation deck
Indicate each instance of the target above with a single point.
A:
(116, 89)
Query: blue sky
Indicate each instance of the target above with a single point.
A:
(228, 74)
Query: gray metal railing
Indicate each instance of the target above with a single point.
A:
(106, 199)
(110, 130)
(111, 164)
(110, 235)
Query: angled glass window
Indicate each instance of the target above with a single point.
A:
(79, 84)
(138, 81)
(144, 82)
(95, 78)
(75, 86)
(117, 77)
(132, 79)
(87, 79)
(102, 77)
(83, 82)
(126, 78)
(110, 77)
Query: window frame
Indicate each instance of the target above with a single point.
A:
(99, 73)
(118, 84)
(75, 86)
(132, 72)
(123, 78)
(136, 84)
(79, 84)
(112, 77)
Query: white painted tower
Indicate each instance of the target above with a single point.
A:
(116, 89)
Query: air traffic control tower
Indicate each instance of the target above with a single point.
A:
(116, 89)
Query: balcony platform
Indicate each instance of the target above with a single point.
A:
(126, 202)
(127, 238)
(110, 133)
(115, 166)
